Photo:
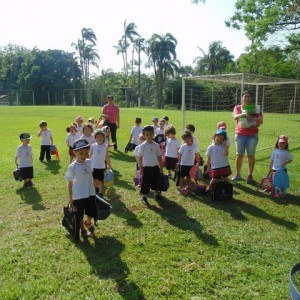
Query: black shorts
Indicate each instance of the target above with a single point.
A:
(171, 163)
(184, 171)
(27, 172)
(86, 206)
(98, 174)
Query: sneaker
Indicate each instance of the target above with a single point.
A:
(236, 177)
(249, 179)
(145, 201)
(158, 196)
(183, 191)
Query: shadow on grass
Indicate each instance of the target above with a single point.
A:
(53, 166)
(177, 216)
(119, 209)
(123, 183)
(32, 197)
(119, 155)
(105, 259)
(236, 208)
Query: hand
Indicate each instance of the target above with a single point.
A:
(71, 201)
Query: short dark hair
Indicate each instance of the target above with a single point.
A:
(110, 97)
(187, 134)
(138, 120)
(148, 128)
(170, 130)
(190, 127)
(247, 92)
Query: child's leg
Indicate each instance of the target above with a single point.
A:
(100, 186)
(212, 182)
(42, 153)
(181, 181)
(48, 154)
(188, 180)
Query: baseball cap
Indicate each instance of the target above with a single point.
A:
(221, 131)
(283, 139)
(221, 125)
(105, 128)
(25, 136)
(155, 119)
(99, 131)
(79, 119)
(81, 144)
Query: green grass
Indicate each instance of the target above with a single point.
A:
(180, 248)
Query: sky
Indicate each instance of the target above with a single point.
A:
(56, 24)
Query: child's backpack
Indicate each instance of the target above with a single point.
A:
(129, 147)
(162, 182)
(108, 178)
(160, 138)
(103, 208)
(54, 151)
(195, 173)
(71, 221)
(222, 191)
(138, 179)
(17, 174)
(266, 184)
(281, 183)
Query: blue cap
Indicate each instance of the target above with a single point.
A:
(221, 131)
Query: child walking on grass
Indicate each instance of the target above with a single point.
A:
(135, 132)
(187, 155)
(99, 157)
(72, 136)
(23, 159)
(217, 158)
(150, 164)
(46, 142)
(81, 186)
(87, 131)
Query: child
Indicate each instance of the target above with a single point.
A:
(87, 131)
(23, 159)
(187, 154)
(106, 130)
(222, 125)
(166, 118)
(172, 146)
(192, 129)
(155, 124)
(46, 142)
(141, 139)
(217, 158)
(91, 121)
(79, 122)
(135, 132)
(99, 157)
(81, 186)
(72, 136)
(161, 128)
(150, 164)
(281, 155)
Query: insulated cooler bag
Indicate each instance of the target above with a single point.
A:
(222, 191)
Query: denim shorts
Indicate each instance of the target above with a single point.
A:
(243, 142)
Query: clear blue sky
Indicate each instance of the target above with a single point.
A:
(56, 24)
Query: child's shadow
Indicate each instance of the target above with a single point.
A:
(53, 166)
(105, 259)
(177, 216)
(31, 196)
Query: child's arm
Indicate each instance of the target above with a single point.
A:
(51, 138)
(160, 164)
(70, 185)
(40, 132)
(271, 165)
(16, 160)
(108, 166)
(140, 162)
(130, 138)
(286, 162)
(225, 149)
(179, 157)
(208, 164)
(197, 158)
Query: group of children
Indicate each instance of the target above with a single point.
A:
(89, 158)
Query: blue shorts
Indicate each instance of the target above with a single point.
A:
(243, 142)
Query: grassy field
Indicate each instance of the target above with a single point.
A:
(180, 248)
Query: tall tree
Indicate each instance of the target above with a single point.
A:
(214, 61)
(162, 57)
(121, 49)
(263, 20)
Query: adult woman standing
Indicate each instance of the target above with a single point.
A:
(111, 114)
(246, 136)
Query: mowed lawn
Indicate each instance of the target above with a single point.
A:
(179, 248)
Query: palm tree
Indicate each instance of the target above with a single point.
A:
(121, 48)
(162, 56)
(215, 60)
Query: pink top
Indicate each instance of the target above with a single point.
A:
(239, 129)
(112, 111)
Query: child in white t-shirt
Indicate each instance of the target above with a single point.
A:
(172, 146)
(23, 159)
(135, 132)
(161, 128)
(81, 186)
(192, 129)
(99, 157)
(87, 133)
(46, 142)
(222, 125)
(155, 124)
(79, 124)
(72, 136)
(217, 158)
(187, 155)
(150, 164)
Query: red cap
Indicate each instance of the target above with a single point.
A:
(221, 125)
(283, 139)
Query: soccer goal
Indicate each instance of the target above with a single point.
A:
(208, 99)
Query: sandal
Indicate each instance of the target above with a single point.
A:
(90, 227)
(85, 233)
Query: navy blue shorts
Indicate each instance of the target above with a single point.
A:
(86, 206)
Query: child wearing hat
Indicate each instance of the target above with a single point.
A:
(46, 142)
(155, 124)
(222, 125)
(281, 155)
(99, 157)
(81, 186)
(23, 159)
(217, 158)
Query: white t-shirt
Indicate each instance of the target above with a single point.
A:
(90, 139)
(155, 128)
(24, 155)
(135, 131)
(280, 156)
(83, 182)
(216, 153)
(188, 154)
(172, 146)
(98, 155)
(150, 154)
(46, 137)
(71, 138)
(159, 131)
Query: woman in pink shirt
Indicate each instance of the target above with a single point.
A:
(111, 113)
(246, 136)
